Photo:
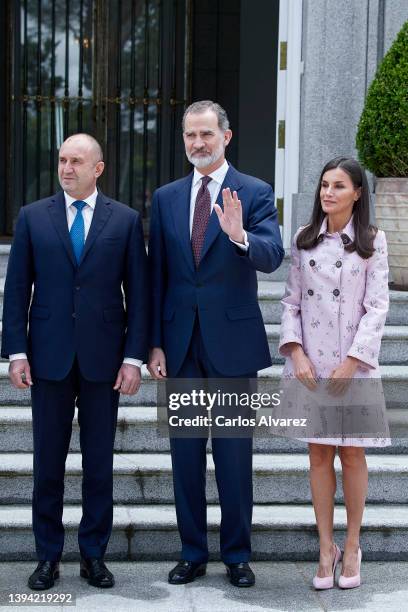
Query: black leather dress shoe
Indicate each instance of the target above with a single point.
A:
(240, 574)
(97, 573)
(44, 575)
(186, 571)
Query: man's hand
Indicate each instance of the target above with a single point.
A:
(340, 378)
(231, 219)
(128, 379)
(303, 367)
(20, 374)
(157, 364)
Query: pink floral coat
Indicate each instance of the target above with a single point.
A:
(336, 303)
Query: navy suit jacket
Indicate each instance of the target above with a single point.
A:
(222, 292)
(76, 310)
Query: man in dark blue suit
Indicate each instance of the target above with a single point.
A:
(78, 249)
(210, 233)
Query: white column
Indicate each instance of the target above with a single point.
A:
(288, 110)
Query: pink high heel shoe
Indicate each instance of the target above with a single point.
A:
(352, 582)
(328, 581)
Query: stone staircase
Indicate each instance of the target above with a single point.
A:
(144, 516)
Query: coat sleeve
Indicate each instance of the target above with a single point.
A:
(367, 341)
(291, 323)
(17, 291)
(265, 252)
(136, 289)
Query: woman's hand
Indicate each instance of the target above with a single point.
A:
(303, 367)
(340, 378)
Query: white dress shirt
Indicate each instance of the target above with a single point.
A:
(214, 186)
(87, 214)
(87, 211)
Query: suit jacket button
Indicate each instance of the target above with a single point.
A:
(77, 287)
(338, 264)
(312, 263)
(336, 292)
(73, 315)
(310, 291)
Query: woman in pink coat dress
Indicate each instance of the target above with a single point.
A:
(334, 312)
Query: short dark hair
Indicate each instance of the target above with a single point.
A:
(363, 230)
(203, 105)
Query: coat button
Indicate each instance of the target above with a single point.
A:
(338, 264)
(345, 238)
(336, 292)
(310, 291)
(312, 263)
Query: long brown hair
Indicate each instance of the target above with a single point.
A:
(363, 230)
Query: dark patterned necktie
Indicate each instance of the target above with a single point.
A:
(202, 213)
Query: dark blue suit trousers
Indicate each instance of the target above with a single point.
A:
(53, 407)
(233, 472)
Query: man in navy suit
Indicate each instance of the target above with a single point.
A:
(78, 249)
(210, 233)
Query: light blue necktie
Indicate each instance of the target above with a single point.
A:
(77, 231)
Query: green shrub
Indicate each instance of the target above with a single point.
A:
(382, 135)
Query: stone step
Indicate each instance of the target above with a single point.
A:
(146, 478)
(281, 274)
(137, 433)
(270, 294)
(279, 532)
(4, 255)
(394, 378)
(394, 345)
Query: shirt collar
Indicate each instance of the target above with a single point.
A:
(348, 230)
(218, 175)
(90, 200)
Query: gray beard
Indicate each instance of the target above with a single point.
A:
(208, 160)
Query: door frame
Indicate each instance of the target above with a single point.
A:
(290, 70)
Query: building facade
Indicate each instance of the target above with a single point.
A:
(292, 75)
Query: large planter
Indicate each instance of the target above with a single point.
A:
(391, 212)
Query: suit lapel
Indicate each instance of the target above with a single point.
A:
(58, 212)
(180, 208)
(213, 228)
(101, 214)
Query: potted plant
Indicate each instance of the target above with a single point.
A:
(382, 144)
